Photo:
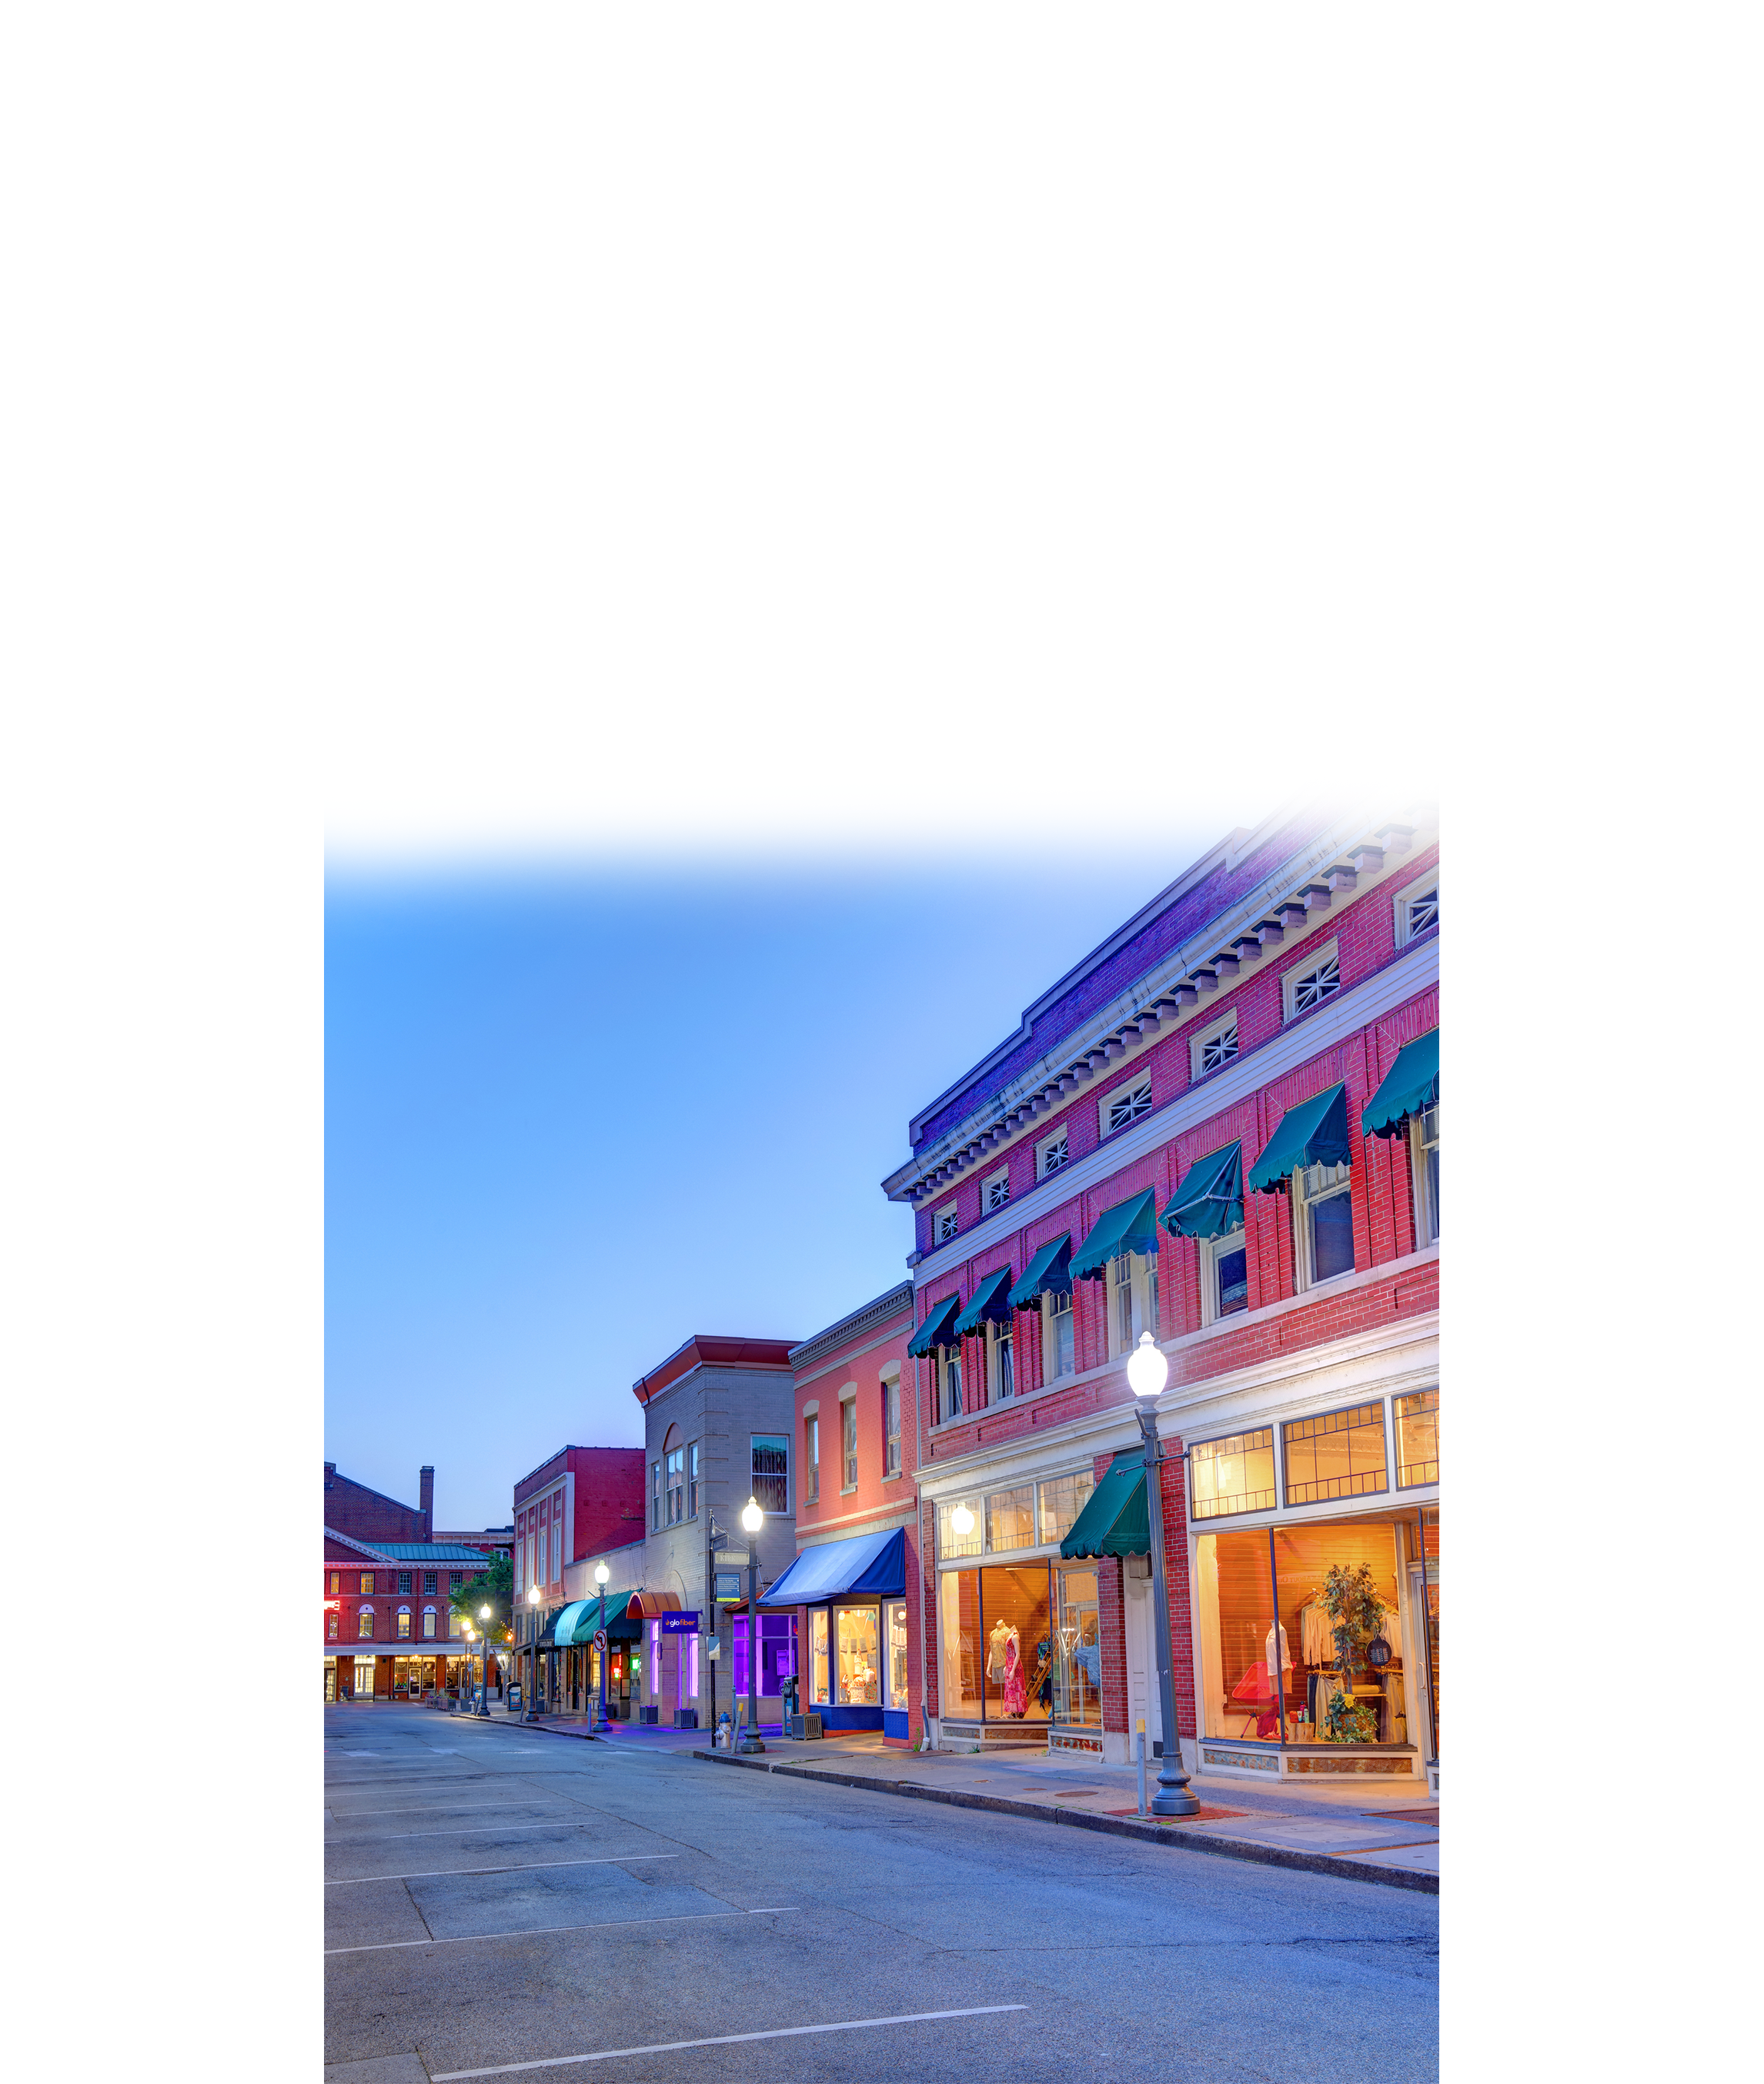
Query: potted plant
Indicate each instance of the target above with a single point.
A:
(1350, 1597)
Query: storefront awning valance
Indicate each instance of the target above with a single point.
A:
(575, 1625)
(651, 1606)
(1209, 1199)
(938, 1328)
(1130, 1225)
(866, 1566)
(991, 1305)
(545, 1638)
(1049, 1274)
(1411, 1084)
(1115, 1521)
(1314, 1132)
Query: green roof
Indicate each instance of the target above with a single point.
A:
(1209, 1199)
(1115, 1521)
(429, 1552)
(1048, 1275)
(1130, 1225)
(991, 1305)
(1314, 1132)
(1411, 1084)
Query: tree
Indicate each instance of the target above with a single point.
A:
(493, 1586)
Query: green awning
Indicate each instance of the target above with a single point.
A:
(1049, 1274)
(991, 1305)
(575, 1625)
(1209, 1199)
(1130, 1225)
(1314, 1132)
(938, 1328)
(1114, 1521)
(1411, 1084)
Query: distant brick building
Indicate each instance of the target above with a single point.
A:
(370, 1515)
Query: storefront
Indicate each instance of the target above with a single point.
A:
(1314, 1568)
(852, 1596)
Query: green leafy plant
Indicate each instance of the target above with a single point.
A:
(1350, 1599)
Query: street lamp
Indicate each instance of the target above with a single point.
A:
(531, 1713)
(1147, 1372)
(484, 1666)
(752, 1519)
(601, 1574)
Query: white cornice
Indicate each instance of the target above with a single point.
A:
(1333, 1022)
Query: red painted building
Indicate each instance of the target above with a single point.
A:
(1220, 1128)
(388, 1627)
(854, 1586)
(581, 1502)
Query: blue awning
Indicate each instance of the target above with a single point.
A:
(866, 1566)
(936, 1330)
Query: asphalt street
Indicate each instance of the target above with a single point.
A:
(497, 1900)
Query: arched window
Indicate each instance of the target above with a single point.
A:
(403, 1623)
(428, 1624)
(364, 1623)
(674, 1461)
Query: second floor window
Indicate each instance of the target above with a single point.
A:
(1224, 1276)
(1000, 1363)
(1059, 1343)
(812, 1455)
(1323, 1222)
(333, 1626)
(367, 1582)
(1133, 1282)
(364, 1625)
(771, 1471)
(336, 1580)
(403, 1581)
(428, 1584)
(655, 1496)
(1424, 1132)
(403, 1623)
(891, 1425)
(677, 1485)
(951, 1361)
(428, 1624)
(848, 1431)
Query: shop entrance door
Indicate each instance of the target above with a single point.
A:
(1143, 1692)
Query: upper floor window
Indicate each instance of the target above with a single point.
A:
(1232, 1476)
(404, 1581)
(691, 1481)
(771, 1471)
(1224, 1276)
(1338, 1455)
(1214, 1048)
(1319, 979)
(1126, 1103)
(655, 1496)
(455, 1579)
(428, 1584)
(428, 1624)
(1417, 911)
(812, 1455)
(364, 1623)
(848, 1434)
(1051, 1155)
(1000, 1365)
(997, 1190)
(675, 1480)
(1058, 1339)
(1133, 1298)
(1322, 1222)
(890, 1425)
(1418, 1438)
(367, 1582)
(949, 1366)
(1424, 1146)
(943, 1223)
(403, 1623)
(336, 1580)
(332, 1627)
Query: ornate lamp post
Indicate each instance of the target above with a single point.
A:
(752, 1519)
(483, 1706)
(530, 1712)
(601, 1574)
(1147, 1372)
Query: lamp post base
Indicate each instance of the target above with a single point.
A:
(750, 1744)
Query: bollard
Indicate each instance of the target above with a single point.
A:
(1141, 1727)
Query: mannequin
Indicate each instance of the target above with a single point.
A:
(996, 1645)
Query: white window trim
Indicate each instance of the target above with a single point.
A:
(1331, 950)
(940, 1236)
(1199, 1040)
(1426, 1216)
(1140, 1281)
(1060, 1135)
(1303, 1274)
(948, 1357)
(1212, 1250)
(1405, 901)
(987, 1206)
(994, 1394)
(1048, 1354)
(1129, 1089)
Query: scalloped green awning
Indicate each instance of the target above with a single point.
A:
(1130, 1225)
(937, 1329)
(1049, 1274)
(1115, 1521)
(991, 1305)
(1411, 1084)
(1209, 1199)
(1314, 1132)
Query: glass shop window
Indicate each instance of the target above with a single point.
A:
(1340, 1455)
(1062, 1500)
(959, 1531)
(1235, 1475)
(896, 1623)
(959, 1643)
(1011, 1519)
(778, 1652)
(1077, 1667)
(1017, 1654)
(817, 1657)
(1418, 1438)
(857, 1634)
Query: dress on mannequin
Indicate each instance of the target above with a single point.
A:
(996, 1644)
(1015, 1696)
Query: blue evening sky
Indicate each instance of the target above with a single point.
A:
(573, 1115)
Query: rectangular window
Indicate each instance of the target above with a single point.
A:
(674, 1485)
(812, 1452)
(997, 1190)
(891, 1425)
(1224, 1276)
(958, 1528)
(1320, 978)
(364, 1625)
(1059, 1343)
(1060, 1500)
(771, 1471)
(1011, 1519)
(848, 1434)
(1424, 1144)
(1323, 1222)
(894, 1619)
(857, 1631)
(336, 1580)
(456, 1579)
(817, 1657)
(1339, 1455)
(1052, 1155)
(691, 1481)
(403, 1581)
(332, 1627)
(1126, 1103)
(1133, 1292)
(428, 1584)
(428, 1624)
(1417, 911)
(1232, 1476)
(1418, 1439)
(950, 1360)
(944, 1226)
(1001, 1368)
(1214, 1048)
(367, 1582)
(655, 1496)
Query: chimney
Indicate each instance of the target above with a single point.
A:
(330, 1474)
(426, 1499)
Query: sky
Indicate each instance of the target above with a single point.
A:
(574, 1114)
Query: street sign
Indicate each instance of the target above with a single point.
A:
(728, 1584)
(680, 1623)
(599, 1640)
(730, 1559)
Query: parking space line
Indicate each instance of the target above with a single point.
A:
(524, 1867)
(721, 2040)
(453, 1808)
(478, 1831)
(603, 1925)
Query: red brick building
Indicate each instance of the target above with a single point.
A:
(389, 1630)
(1221, 1128)
(854, 1588)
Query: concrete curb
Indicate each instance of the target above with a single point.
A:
(1088, 1820)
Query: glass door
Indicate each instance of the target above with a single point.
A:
(1076, 1670)
(895, 1621)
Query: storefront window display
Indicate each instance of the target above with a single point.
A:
(1337, 1454)
(1077, 1668)
(1027, 1516)
(1235, 1475)
(1418, 1439)
(895, 1622)
(330, 1679)
(996, 1644)
(818, 1671)
(856, 1633)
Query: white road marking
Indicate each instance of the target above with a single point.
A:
(453, 1808)
(526, 1867)
(540, 1931)
(723, 2040)
(472, 1830)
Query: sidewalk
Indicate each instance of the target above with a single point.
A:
(1371, 1833)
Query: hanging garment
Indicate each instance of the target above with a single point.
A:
(995, 1648)
(1087, 1656)
(1286, 1651)
(1317, 1640)
(1016, 1697)
(1044, 1672)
